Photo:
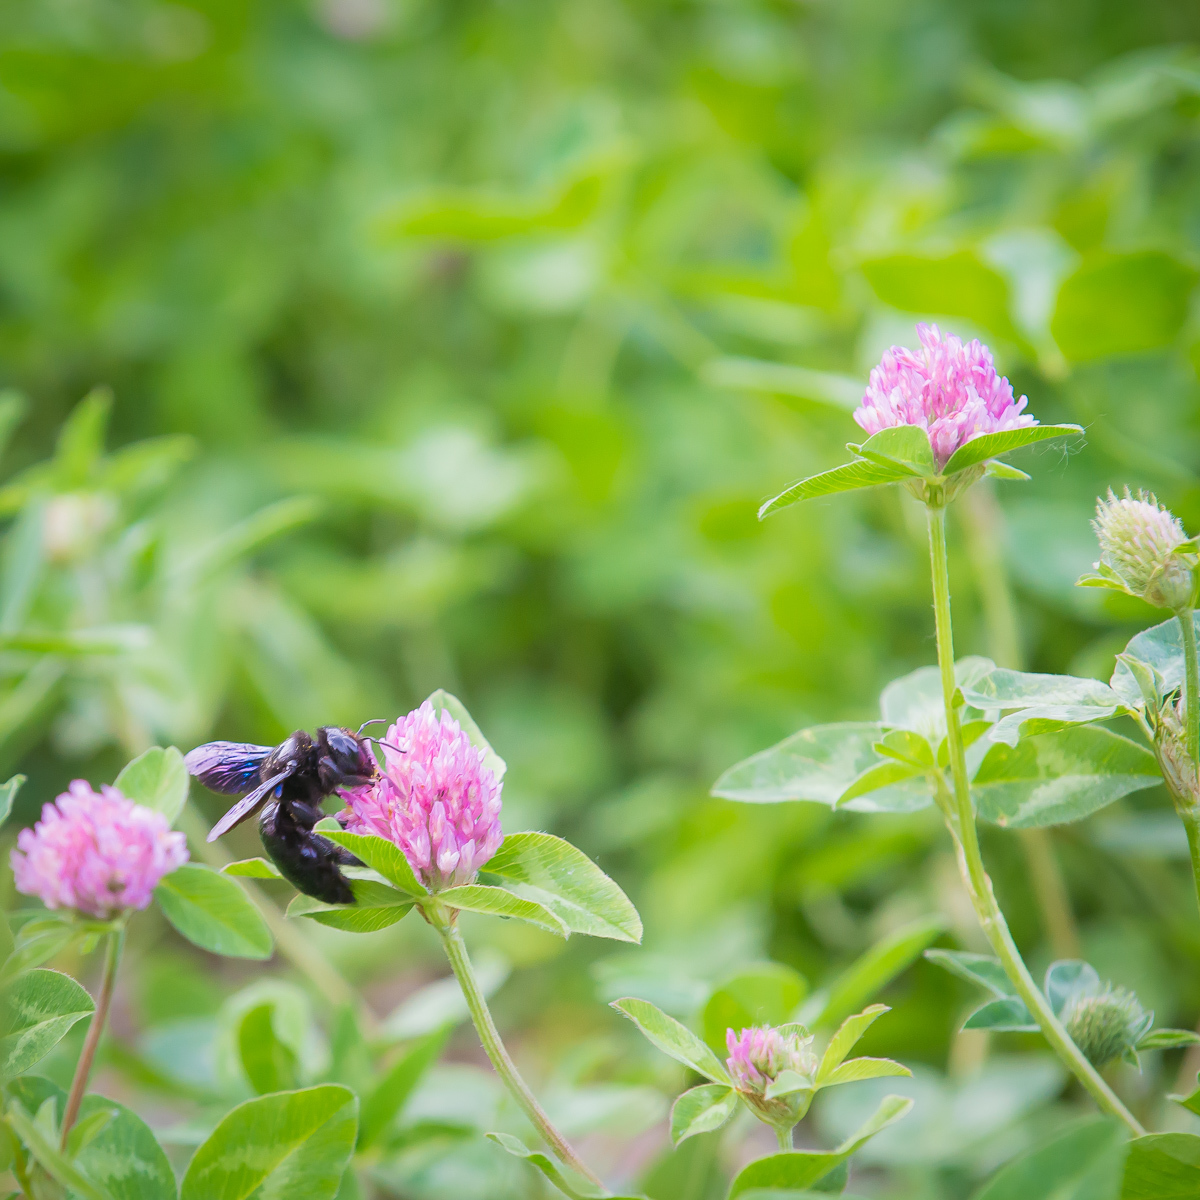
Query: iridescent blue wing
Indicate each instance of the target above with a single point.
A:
(227, 767)
(247, 804)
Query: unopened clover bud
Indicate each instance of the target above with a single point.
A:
(1106, 1025)
(1143, 548)
(759, 1057)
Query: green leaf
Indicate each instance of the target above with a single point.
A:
(290, 1144)
(802, 1169)
(554, 874)
(385, 1100)
(991, 445)
(982, 969)
(380, 855)
(672, 1038)
(36, 1010)
(80, 443)
(1068, 978)
(157, 779)
(1169, 1039)
(1008, 1015)
(855, 1069)
(819, 764)
(8, 793)
(848, 1034)
(1162, 1166)
(376, 907)
(847, 478)
(86, 1128)
(213, 912)
(1121, 304)
(905, 445)
(873, 971)
(1160, 648)
(571, 1185)
(884, 775)
(760, 994)
(958, 284)
(788, 1083)
(1064, 699)
(1055, 778)
(1191, 1101)
(270, 1065)
(124, 1157)
(1002, 470)
(701, 1110)
(1082, 1161)
(51, 1160)
(842, 392)
(498, 902)
(252, 868)
(1146, 679)
(39, 941)
(443, 701)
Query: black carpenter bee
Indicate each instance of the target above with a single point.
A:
(289, 781)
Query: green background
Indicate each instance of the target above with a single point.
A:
(459, 329)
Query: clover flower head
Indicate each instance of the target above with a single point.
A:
(1138, 539)
(97, 852)
(757, 1057)
(434, 798)
(949, 389)
(1106, 1024)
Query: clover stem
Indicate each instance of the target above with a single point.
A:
(112, 959)
(784, 1136)
(444, 922)
(1187, 628)
(961, 823)
(983, 523)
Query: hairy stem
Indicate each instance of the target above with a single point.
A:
(1187, 805)
(1187, 628)
(984, 525)
(112, 959)
(961, 822)
(456, 951)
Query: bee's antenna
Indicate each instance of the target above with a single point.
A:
(389, 745)
(372, 721)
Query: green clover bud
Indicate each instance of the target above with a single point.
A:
(1144, 551)
(1107, 1024)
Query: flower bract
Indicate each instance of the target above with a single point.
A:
(434, 798)
(96, 852)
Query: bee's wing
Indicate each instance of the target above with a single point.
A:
(228, 767)
(246, 806)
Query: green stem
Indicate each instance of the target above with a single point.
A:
(1187, 628)
(445, 923)
(961, 822)
(983, 522)
(784, 1137)
(1191, 825)
(112, 958)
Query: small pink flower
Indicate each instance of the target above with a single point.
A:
(434, 799)
(950, 390)
(759, 1054)
(96, 852)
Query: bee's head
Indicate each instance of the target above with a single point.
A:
(350, 754)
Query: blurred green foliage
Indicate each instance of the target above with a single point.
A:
(456, 345)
